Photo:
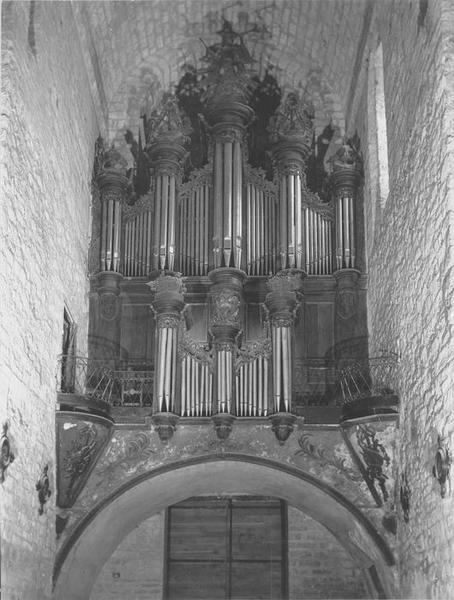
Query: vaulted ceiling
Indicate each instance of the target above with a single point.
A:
(138, 49)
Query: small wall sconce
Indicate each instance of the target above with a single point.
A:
(442, 465)
(43, 489)
(6, 454)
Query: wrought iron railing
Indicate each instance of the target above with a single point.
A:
(317, 382)
(364, 378)
(124, 384)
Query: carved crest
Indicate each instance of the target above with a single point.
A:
(346, 303)
(226, 308)
(108, 306)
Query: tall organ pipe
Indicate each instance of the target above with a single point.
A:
(345, 179)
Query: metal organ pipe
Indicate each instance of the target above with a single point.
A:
(345, 180)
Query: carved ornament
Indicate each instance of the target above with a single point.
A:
(167, 124)
(442, 465)
(321, 454)
(109, 304)
(293, 120)
(168, 321)
(225, 78)
(6, 454)
(287, 280)
(43, 488)
(405, 496)
(79, 456)
(168, 282)
(250, 351)
(198, 179)
(375, 457)
(225, 306)
(199, 351)
(346, 303)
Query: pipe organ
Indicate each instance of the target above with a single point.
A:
(220, 228)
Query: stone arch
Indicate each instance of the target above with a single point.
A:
(101, 531)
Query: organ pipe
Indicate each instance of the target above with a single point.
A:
(167, 303)
(346, 171)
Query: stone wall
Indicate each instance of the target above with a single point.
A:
(135, 569)
(47, 132)
(410, 263)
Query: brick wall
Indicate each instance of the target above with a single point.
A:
(47, 133)
(319, 567)
(135, 569)
(410, 265)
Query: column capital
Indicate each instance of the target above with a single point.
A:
(168, 296)
(284, 297)
(346, 173)
(291, 130)
(110, 173)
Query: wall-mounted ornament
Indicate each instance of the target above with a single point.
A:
(405, 496)
(442, 465)
(43, 489)
(6, 454)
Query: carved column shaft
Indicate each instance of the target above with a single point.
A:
(168, 303)
(282, 303)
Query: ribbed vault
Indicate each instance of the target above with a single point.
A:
(139, 49)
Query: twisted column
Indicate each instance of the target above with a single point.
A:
(168, 303)
(282, 303)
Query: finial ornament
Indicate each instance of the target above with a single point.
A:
(226, 77)
(166, 123)
(293, 119)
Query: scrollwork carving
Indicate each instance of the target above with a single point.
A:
(226, 306)
(198, 179)
(199, 351)
(252, 350)
(287, 280)
(375, 457)
(80, 455)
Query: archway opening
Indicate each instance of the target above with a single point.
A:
(99, 534)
